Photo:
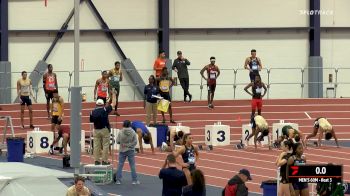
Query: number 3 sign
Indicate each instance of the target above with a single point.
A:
(217, 135)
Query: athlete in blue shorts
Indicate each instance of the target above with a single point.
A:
(143, 133)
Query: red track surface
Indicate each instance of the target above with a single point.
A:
(223, 162)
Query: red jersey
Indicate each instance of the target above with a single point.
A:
(64, 129)
(102, 88)
(212, 72)
(159, 64)
(50, 82)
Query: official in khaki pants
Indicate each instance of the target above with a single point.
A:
(99, 116)
(150, 102)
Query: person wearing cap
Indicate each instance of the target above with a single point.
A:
(180, 66)
(127, 140)
(322, 126)
(142, 133)
(236, 185)
(160, 63)
(253, 64)
(99, 116)
(259, 125)
(213, 73)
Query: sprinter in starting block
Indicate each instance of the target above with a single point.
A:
(174, 137)
(142, 133)
(322, 126)
(259, 125)
(288, 132)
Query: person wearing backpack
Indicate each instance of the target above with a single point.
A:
(236, 185)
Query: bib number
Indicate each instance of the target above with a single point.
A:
(255, 67)
(212, 76)
(258, 90)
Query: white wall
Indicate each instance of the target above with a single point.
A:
(340, 16)
(277, 49)
(237, 13)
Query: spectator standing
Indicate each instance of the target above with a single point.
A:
(180, 66)
(127, 139)
(173, 178)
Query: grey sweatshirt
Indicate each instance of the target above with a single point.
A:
(127, 139)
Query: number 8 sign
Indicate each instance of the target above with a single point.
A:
(217, 135)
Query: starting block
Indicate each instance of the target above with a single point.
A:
(217, 135)
(39, 141)
(208, 148)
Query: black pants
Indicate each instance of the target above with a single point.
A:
(185, 83)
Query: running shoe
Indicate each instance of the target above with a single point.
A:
(164, 146)
(118, 182)
(135, 182)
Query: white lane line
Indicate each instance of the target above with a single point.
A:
(307, 115)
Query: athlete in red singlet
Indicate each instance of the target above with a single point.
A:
(102, 87)
(257, 87)
(50, 85)
(213, 73)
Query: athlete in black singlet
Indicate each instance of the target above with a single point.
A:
(297, 158)
(281, 162)
(253, 64)
(189, 155)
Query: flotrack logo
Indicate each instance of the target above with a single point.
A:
(316, 12)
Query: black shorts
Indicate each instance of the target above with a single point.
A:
(54, 120)
(26, 100)
(211, 87)
(49, 95)
(103, 98)
(252, 75)
(191, 167)
(300, 186)
(176, 137)
(165, 95)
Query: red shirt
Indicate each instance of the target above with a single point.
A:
(64, 129)
(159, 64)
(212, 72)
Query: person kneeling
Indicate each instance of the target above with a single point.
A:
(63, 132)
